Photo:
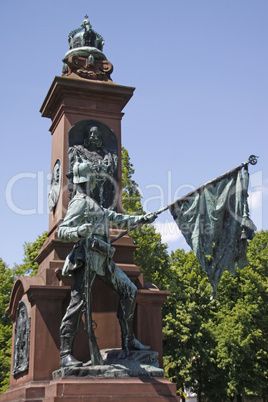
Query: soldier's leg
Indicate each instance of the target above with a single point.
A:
(119, 282)
(71, 320)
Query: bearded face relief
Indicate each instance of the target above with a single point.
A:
(95, 142)
(55, 186)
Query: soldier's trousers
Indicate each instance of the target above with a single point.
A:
(119, 282)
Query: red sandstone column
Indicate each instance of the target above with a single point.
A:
(70, 100)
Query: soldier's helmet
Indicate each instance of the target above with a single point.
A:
(82, 171)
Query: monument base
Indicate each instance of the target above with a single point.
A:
(132, 389)
(140, 363)
(135, 378)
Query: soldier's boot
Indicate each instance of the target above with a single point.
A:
(66, 350)
(129, 342)
(134, 344)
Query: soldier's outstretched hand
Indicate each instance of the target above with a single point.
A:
(150, 217)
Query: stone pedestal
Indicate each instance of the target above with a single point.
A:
(46, 306)
(135, 389)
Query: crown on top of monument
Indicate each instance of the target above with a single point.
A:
(85, 36)
(85, 57)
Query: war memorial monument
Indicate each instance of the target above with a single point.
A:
(86, 327)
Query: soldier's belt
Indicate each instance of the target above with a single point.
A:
(101, 246)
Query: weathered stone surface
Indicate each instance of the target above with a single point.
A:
(112, 356)
(137, 364)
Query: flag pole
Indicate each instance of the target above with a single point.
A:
(253, 159)
(137, 225)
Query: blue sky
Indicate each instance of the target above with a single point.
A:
(199, 108)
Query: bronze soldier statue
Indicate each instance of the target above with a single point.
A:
(89, 223)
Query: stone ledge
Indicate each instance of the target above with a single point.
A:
(137, 364)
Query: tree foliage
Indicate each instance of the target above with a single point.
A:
(187, 315)
(31, 250)
(241, 327)
(151, 254)
(218, 347)
(6, 280)
(131, 197)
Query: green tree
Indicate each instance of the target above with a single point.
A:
(241, 325)
(6, 283)
(151, 254)
(31, 250)
(188, 312)
(218, 347)
(131, 197)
